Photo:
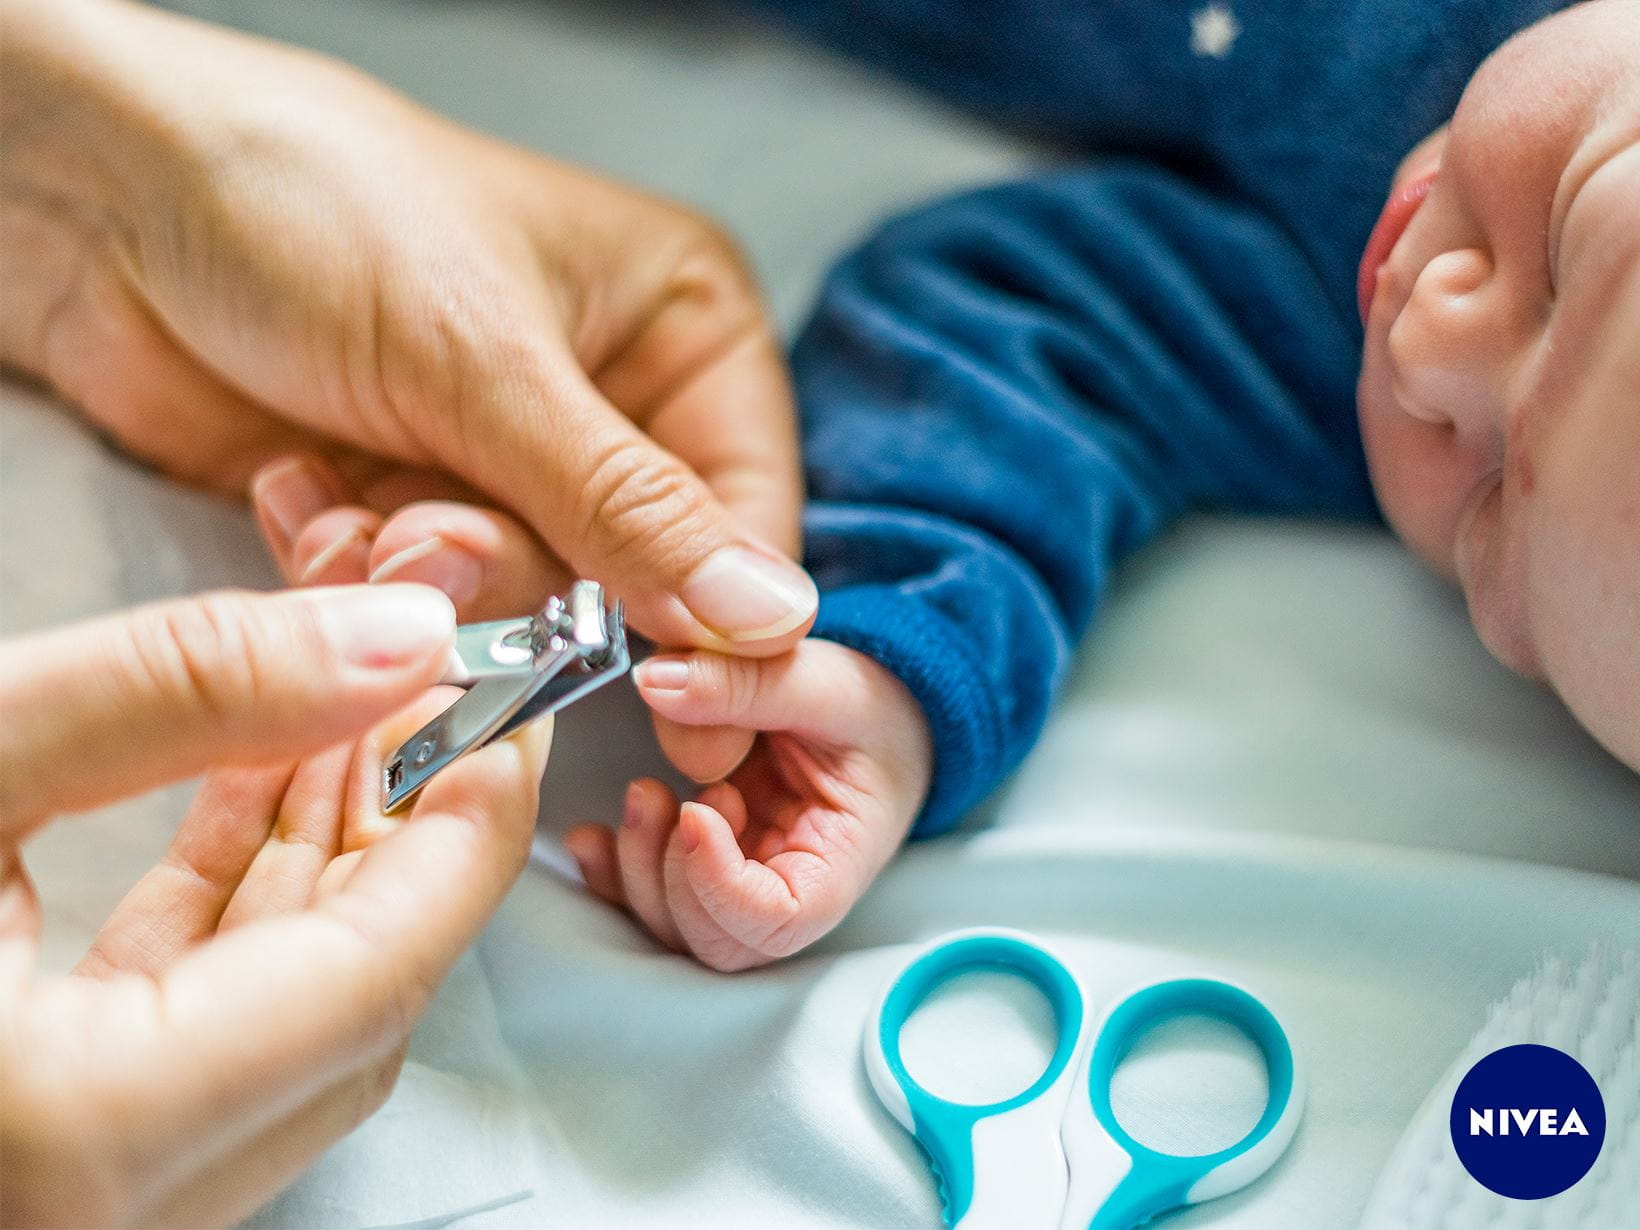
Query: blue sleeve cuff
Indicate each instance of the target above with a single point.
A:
(915, 642)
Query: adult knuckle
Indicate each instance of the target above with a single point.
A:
(455, 343)
(738, 680)
(377, 1086)
(713, 270)
(639, 503)
(709, 241)
(190, 655)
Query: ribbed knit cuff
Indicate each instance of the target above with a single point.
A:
(915, 642)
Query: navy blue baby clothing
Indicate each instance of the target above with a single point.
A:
(1005, 394)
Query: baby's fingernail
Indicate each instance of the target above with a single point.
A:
(662, 674)
(436, 562)
(291, 495)
(746, 594)
(355, 539)
(386, 626)
(632, 808)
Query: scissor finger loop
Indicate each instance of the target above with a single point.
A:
(1054, 1155)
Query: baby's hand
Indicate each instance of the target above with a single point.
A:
(769, 860)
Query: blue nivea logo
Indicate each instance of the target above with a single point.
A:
(1528, 1121)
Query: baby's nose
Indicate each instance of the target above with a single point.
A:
(1448, 347)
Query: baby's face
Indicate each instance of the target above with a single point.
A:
(1500, 385)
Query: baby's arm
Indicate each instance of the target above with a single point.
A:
(765, 863)
(1003, 397)
(1006, 395)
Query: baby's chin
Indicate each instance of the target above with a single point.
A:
(1603, 694)
(1498, 606)
(1462, 541)
(1505, 639)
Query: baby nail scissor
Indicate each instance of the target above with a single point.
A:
(1054, 1155)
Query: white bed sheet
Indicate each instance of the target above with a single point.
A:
(1282, 759)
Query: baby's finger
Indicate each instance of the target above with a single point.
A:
(726, 799)
(773, 908)
(703, 753)
(334, 548)
(702, 933)
(487, 562)
(815, 690)
(640, 848)
(593, 848)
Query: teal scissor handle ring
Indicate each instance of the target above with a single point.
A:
(944, 1128)
(1160, 1181)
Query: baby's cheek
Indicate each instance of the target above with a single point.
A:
(1413, 475)
(1583, 523)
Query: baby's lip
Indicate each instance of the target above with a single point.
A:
(1392, 224)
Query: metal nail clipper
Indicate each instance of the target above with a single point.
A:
(515, 670)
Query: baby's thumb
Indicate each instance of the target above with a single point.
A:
(817, 689)
(117, 705)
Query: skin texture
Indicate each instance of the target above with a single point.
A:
(249, 1002)
(1500, 385)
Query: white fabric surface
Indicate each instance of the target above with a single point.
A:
(1282, 759)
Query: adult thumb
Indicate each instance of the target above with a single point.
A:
(618, 507)
(106, 708)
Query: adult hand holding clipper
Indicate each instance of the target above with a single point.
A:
(248, 1002)
(265, 272)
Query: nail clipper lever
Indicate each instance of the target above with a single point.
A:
(515, 670)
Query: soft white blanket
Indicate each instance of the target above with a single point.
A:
(1282, 759)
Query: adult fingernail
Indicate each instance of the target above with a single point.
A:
(385, 626)
(744, 594)
(356, 539)
(437, 562)
(689, 829)
(536, 738)
(291, 495)
(632, 808)
(662, 674)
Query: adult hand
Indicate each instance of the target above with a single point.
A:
(230, 253)
(248, 1003)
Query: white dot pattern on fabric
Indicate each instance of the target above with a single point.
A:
(1213, 31)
